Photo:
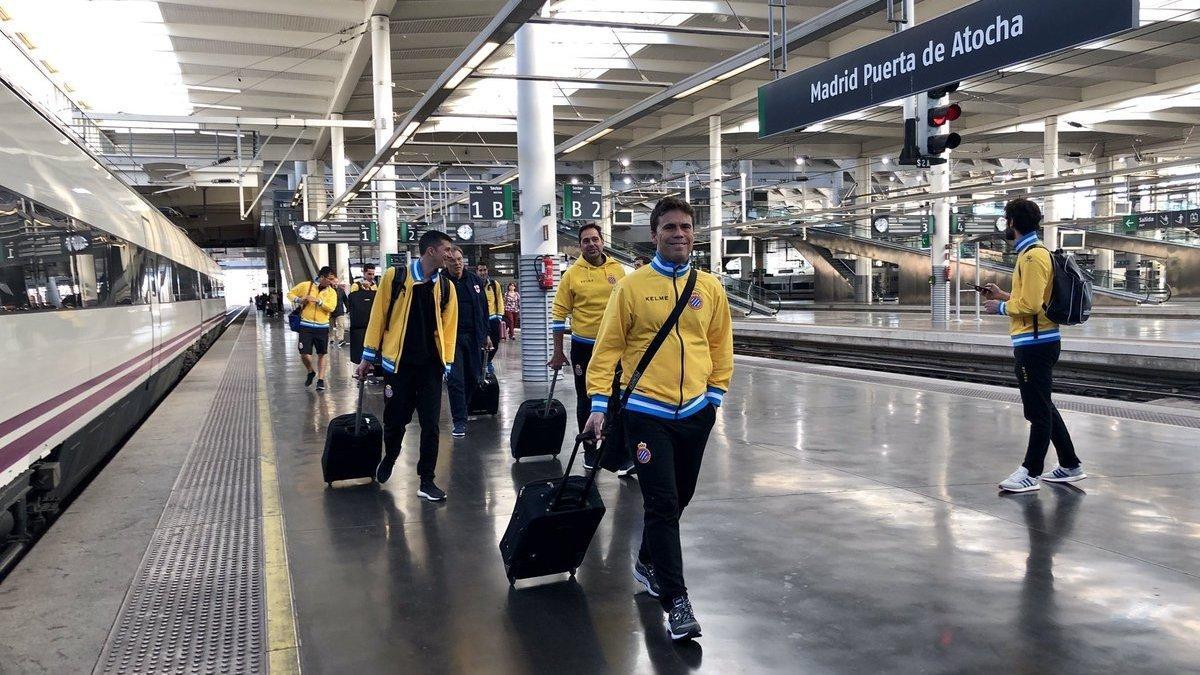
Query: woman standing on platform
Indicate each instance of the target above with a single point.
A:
(512, 309)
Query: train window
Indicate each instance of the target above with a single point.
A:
(187, 284)
(164, 281)
(206, 287)
(121, 274)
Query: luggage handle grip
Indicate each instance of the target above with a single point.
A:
(550, 396)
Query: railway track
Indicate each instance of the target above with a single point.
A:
(1068, 379)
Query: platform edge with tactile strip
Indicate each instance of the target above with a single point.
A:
(197, 601)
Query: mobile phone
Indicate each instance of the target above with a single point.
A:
(979, 289)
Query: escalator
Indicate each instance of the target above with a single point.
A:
(298, 263)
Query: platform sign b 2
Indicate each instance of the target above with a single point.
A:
(583, 202)
(490, 202)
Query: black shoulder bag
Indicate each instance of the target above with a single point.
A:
(647, 357)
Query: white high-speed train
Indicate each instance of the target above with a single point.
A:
(103, 303)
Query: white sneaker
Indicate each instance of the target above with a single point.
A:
(1061, 475)
(1020, 481)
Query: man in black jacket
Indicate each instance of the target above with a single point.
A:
(472, 340)
(362, 294)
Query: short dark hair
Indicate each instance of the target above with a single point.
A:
(666, 205)
(368, 266)
(325, 271)
(591, 226)
(432, 238)
(1024, 215)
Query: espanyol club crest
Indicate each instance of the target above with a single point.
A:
(476, 288)
(696, 302)
(643, 453)
(612, 280)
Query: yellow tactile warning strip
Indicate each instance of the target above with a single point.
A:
(283, 653)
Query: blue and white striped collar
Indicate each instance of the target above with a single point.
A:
(414, 270)
(1026, 241)
(669, 269)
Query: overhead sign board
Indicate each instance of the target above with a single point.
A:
(490, 202)
(1154, 220)
(582, 202)
(981, 37)
(338, 232)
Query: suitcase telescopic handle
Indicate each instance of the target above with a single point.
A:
(579, 441)
(550, 396)
(362, 384)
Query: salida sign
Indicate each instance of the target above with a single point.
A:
(983, 36)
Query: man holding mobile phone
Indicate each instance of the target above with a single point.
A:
(1036, 347)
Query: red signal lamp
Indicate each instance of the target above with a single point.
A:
(942, 114)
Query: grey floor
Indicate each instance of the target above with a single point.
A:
(1140, 328)
(839, 527)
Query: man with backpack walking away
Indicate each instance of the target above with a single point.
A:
(1036, 347)
(411, 335)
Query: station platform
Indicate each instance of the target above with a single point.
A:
(845, 522)
(1144, 349)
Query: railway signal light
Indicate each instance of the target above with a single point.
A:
(927, 134)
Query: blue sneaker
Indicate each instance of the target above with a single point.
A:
(643, 573)
(681, 621)
(460, 430)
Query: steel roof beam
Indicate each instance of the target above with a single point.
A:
(622, 25)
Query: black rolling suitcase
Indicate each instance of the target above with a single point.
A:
(485, 400)
(540, 426)
(553, 521)
(353, 444)
(552, 525)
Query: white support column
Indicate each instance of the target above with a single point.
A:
(381, 88)
(863, 266)
(602, 175)
(1105, 207)
(939, 301)
(716, 254)
(687, 188)
(315, 193)
(337, 146)
(1050, 210)
(539, 234)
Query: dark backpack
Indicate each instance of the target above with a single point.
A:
(398, 286)
(1070, 301)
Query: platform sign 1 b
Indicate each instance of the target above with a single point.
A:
(583, 202)
(490, 202)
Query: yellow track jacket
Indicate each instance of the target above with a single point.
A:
(1033, 280)
(495, 300)
(583, 293)
(695, 363)
(315, 314)
(446, 319)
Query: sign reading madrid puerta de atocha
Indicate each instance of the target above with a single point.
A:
(983, 36)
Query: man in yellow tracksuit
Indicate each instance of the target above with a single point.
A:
(1036, 346)
(317, 300)
(415, 348)
(582, 295)
(670, 414)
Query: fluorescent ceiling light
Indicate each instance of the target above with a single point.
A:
(598, 135)
(510, 178)
(204, 87)
(481, 55)
(217, 106)
(458, 78)
(700, 87)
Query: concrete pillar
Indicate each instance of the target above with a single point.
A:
(746, 178)
(315, 206)
(337, 146)
(687, 188)
(863, 267)
(539, 234)
(602, 175)
(1051, 209)
(714, 195)
(1105, 207)
(381, 89)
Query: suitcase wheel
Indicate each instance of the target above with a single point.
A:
(328, 485)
